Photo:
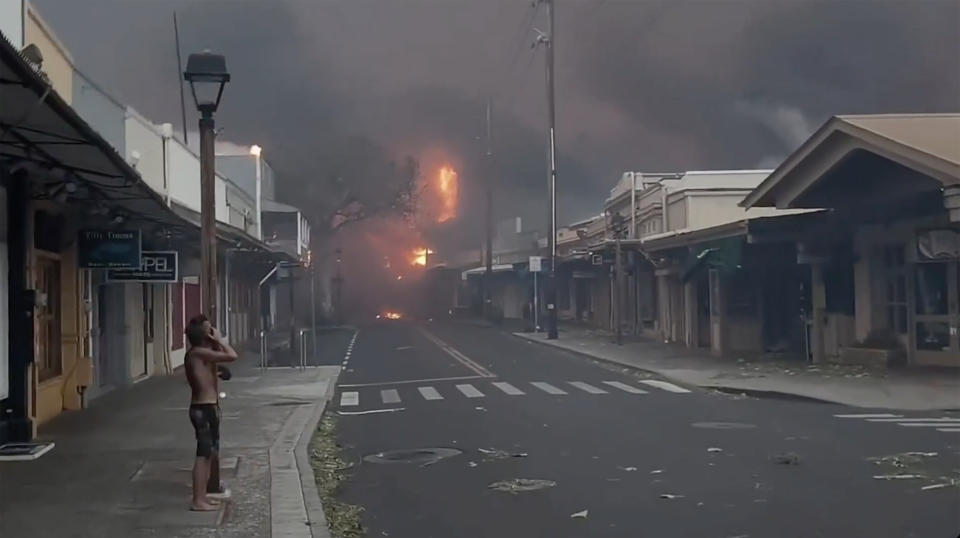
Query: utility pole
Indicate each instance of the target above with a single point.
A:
(619, 227)
(551, 283)
(488, 272)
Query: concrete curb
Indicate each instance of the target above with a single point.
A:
(308, 481)
(725, 387)
(295, 507)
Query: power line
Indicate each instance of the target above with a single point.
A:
(516, 44)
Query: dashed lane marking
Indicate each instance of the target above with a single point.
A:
(469, 391)
(429, 393)
(390, 396)
(508, 388)
(669, 387)
(547, 387)
(624, 387)
(349, 399)
(869, 415)
(586, 387)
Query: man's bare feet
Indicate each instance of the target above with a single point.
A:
(204, 506)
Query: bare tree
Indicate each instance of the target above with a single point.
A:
(355, 180)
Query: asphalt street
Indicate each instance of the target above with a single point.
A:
(634, 454)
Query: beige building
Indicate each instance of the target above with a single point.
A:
(891, 240)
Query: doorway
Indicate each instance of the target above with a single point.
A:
(936, 321)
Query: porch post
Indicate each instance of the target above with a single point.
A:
(819, 306)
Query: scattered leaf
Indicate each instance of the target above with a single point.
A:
(518, 485)
(787, 458)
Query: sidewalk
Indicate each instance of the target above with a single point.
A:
(844, 384)
(121, 468)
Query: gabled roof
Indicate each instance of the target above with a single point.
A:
(928, 143)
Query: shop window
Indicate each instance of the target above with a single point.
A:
(48, 317)
(895, 287)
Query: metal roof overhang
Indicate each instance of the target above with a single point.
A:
(831, 144)
(38, 128)
(233, 235)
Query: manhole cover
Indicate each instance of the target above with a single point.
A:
(423, 456)
(724, 425)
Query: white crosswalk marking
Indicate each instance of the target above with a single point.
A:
(470, 391)
(924, 424)
(869, 415)
(390, 396)
(508, 388)
(587, 387)
(912, 419)
(547, 387)
(624, 387)
(349, 398)
(669, 387)
(429, 393)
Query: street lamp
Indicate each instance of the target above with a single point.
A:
(207, 74)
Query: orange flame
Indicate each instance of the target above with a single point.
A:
(447, 188)
(420, 256)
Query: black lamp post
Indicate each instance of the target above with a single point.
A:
(207, 74)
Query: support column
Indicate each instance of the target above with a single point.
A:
(819, 307)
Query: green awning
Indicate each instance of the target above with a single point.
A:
(725, 255)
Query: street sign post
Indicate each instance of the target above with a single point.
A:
(536, 266)
(155, 266)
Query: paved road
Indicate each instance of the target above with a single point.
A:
(615, 442)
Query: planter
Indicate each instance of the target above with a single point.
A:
(873, 357)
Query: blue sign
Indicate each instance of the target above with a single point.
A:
(109, 249)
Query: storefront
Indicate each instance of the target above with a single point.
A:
(892, 183)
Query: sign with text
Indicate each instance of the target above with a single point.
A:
(536, 264)
(155, 266)
(109, 249)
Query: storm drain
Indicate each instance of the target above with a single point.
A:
(724, 425)
(421, 456)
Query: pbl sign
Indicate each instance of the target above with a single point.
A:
(109, 249)
(536, 264)
(155, 266)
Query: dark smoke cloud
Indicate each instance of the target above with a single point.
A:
(642, 85)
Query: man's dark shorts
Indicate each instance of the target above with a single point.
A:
(206, 423)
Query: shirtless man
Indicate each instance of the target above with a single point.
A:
(207, 349)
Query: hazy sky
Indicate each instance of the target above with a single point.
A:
(641, 85)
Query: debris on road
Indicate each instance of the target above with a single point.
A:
(629, 469)
(497, 454)
(370, 412)
(656, 471)
(581, 514)
(787, 458)
(671, 496)
(402, 348)
(941, 485)
(714, 449)
(898, 476)
(518, 485)
(472, 463)
(921, 454)
(480, 408)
